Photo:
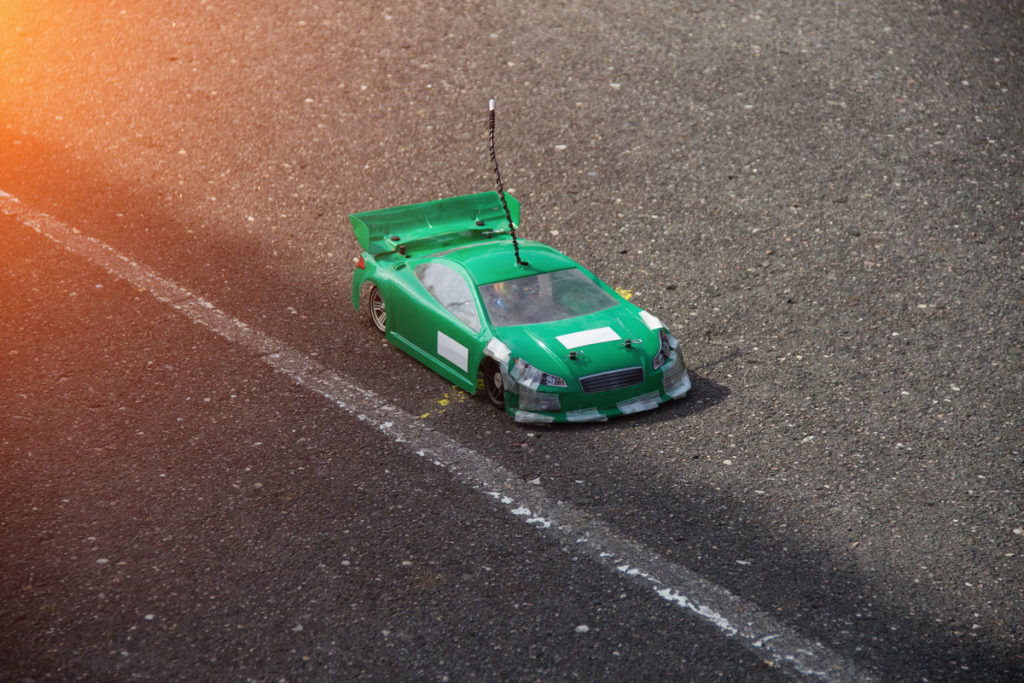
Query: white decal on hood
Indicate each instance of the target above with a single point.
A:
(586, 337)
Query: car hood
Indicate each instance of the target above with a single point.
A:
(598, 340)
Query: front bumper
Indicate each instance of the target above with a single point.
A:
(538, 404)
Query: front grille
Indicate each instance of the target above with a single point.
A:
(614, 379)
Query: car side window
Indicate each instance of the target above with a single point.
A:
(451, 290)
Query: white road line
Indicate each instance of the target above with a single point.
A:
(571, 526)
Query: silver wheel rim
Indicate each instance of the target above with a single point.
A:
(378, 313)
(496, 390)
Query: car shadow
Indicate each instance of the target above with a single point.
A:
(704, 393)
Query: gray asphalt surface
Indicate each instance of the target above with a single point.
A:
(824, 200)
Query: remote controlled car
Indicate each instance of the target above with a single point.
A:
(551, 341)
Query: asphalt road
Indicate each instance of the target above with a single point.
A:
(825, 201)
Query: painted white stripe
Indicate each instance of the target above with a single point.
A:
(572, 526)
(586, 337)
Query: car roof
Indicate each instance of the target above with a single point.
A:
(494, 260)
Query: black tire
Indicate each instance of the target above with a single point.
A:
(493, 383)
(376, 309)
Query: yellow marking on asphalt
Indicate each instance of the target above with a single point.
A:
(455, 396)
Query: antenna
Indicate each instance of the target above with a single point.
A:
(501, 189)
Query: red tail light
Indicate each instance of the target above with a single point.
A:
(360, 263)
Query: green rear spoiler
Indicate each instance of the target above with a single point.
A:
(385, 230)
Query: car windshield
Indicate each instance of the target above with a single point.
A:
(543, 298)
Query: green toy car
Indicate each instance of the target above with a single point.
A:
(551, 342)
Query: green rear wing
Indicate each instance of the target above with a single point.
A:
(385, 230)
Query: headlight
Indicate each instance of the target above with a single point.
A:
(530, 377)
(664, 350)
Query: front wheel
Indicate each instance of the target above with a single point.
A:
(493, 383)
(376, 308)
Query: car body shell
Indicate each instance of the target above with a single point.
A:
(580, 368)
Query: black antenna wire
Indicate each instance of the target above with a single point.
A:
(501, 189)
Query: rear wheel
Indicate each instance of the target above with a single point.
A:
(493, 383)
(376, 308)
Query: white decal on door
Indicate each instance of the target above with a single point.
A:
(451, 350)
